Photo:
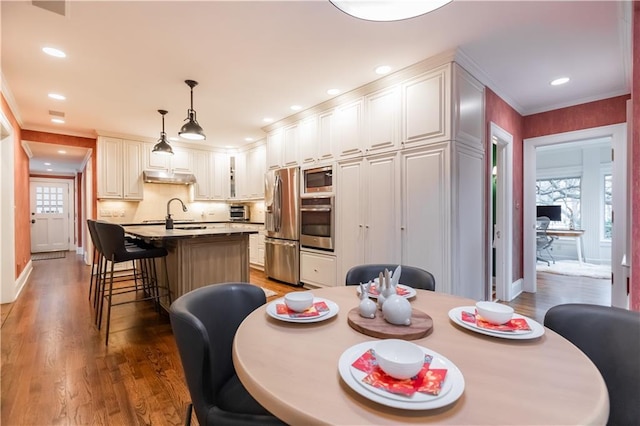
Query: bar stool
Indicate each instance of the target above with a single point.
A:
(114, 247)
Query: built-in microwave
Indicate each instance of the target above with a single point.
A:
(319, 179)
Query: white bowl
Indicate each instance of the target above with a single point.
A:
(398, 358)
(495, 313)
(298, 301)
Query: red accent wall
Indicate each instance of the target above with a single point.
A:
(578, 117)
(500, 113)
(635, 161)
(65, 140)
(21, 194)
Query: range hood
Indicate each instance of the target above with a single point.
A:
(155, 176)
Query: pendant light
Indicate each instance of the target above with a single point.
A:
(163, 147)
(387, 10)
(192, 129)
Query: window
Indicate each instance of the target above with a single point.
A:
(607, 214)
(49, 200)
(564, 192)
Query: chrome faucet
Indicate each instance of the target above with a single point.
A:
(168, 221)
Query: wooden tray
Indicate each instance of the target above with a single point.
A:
(421, 325)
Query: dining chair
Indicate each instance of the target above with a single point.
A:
(610, 337)
(410, 275)
(204, 323)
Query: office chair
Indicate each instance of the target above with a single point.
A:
(610, 337)
(204, 323)
(410, 276)
(543, 240)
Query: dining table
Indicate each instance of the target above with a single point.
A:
(297, 371)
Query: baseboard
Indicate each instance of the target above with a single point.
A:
(21, 282)
(516, 288)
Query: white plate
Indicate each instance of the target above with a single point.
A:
(411, 292)
(333, 310)
(537, 329)
(452, 390)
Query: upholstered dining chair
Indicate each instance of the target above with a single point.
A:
(610, 337)
(410, 275)
(204, 323)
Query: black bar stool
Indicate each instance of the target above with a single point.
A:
(114, 247)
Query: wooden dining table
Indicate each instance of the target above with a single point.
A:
(292, 370)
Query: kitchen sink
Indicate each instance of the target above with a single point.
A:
(191, 228)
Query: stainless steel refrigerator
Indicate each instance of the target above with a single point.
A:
(282, 222)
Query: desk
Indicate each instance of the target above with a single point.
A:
(576, 234)
(292, 370)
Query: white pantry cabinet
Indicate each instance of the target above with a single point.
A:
(368, 212)
(318, 269)
(119, 164)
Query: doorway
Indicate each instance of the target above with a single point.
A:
(502, 225)
(52, 214)
(617, 136)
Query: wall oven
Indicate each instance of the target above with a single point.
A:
(317, 221)
(319, 179)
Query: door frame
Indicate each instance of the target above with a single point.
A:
(506, 289)
(618, 135)
(9, 288)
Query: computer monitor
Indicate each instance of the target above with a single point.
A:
(554, 213)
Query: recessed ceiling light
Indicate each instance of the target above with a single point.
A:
(61, 151)
(47, 164)
(248, 139)
(54, 52)
(57, 120)
(296, 107)
(268, 120)
(560, 81)
(57, 96)
(333, 91)
(383, 69)
(49, 170)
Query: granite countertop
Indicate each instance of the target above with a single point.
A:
(191, 222)
(186, 230)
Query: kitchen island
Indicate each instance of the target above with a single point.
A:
(199, 255)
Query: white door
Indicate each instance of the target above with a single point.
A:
(349, 229)
(49, 216)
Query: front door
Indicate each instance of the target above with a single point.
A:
(49, 216)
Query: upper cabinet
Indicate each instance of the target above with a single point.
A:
(290, 143)
(249, 173)
(349, 126)
(180, 162)
(426, 101)
(274, 149)
(308, 136)
(382, 109)
(119, 164)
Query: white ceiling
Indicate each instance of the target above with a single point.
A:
(254, 59)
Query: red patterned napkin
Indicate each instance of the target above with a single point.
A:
(515, 324)
(428, 380)
(313, 311)
(400, 291)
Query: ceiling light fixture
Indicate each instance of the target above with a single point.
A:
(192, 129)
(387, 10)
(560, 81)
(383, 69)
(163, 147)
(54, 52)
(57, 120)
(296, 107)
(333, 92)
(57, 96)
(268, 120)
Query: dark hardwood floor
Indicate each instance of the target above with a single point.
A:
(56, 368)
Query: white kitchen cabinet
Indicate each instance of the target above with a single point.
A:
(274, 149)
(318, 269)
(249, 173)
(220, 176)
(382, 110)
(119, 165)
(426, 107)
(368, 213)
(180, 162)
(326, 136)
(308, 136)
(290, 144)
(211, 170)
(240, 176)
(256, 249)
(349, 126)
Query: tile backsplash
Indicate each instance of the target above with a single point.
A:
(154, 207)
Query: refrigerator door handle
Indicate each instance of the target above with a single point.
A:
(277, 195)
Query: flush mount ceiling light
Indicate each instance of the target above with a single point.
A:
(387, 10)
(163, 147)
(560, 81)
(52, 51)
(191, 130)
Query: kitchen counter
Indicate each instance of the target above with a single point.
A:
(198, 257)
